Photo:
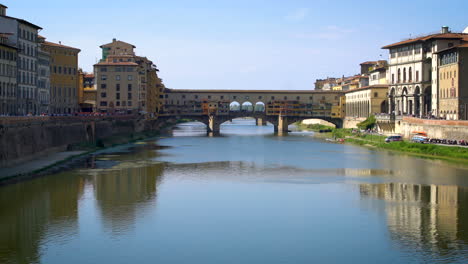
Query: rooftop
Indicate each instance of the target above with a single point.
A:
(51, 44)
(121, 63)
(376, 86)
(429, 37)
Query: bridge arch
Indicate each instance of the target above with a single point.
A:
(234, 106)
(259, 107)
(247, 107)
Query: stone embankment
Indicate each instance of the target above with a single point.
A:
(27, 138)
(442, 129)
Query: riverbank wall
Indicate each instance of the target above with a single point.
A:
(351, 122)
(443, 129)
(26, 138)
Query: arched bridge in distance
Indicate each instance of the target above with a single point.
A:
(279, 107)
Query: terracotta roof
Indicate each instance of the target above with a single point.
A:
(123, 63)
(89, 75)
(368, 87)
(369, 62)
(51, 44)
(108, 44)
(429, 37)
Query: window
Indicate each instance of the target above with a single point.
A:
(117, 103)
(404, 75)
(129, 96)
(117, 87)
(130, 77)
(129, 103)
(376, 94)
(103, 95)
(209, 96)
(272, 98)
(103, 69)
(117, 96)
(410, 74)
(103, 77)
(399, 76)
(117, 77)
(103, 103)
(129, 87)
(417, 76)
(60, 70)
(103, 86)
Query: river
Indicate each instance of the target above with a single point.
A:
(246, 196)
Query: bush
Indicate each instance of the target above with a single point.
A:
(369, 123)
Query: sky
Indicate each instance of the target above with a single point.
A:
(241, 44)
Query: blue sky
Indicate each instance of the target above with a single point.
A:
(242, 44)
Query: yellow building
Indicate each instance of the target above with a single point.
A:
(86, 92)
(64, 81)
(338, 110)
(453, 83)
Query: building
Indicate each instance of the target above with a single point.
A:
(23, 35)
(8, 85)
(453, 83)
(63, 78)
(43, 77)
(351, 83)
(86, 92)
(366, 101)
(368, 66)
(413, 76)
(126, 82)
(325, 84)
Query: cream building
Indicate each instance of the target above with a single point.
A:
(366, 101)
(23, 35)
(126, 82)
(413, 76)
(8, 57)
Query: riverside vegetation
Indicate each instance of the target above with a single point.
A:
(375, 140)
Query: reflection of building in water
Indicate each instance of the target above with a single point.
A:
(425, 216)
(120, 193)
(31, 210)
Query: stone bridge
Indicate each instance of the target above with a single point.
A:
(280, 108)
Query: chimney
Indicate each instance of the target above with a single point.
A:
(444, 30)
(3, 10)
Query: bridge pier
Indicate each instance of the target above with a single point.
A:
(282, 124)
(214, 126)
(260, 121)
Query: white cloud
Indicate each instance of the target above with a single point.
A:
(298, 14)
(330, 32)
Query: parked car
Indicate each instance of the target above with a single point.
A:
(393, 138)
(419, 139)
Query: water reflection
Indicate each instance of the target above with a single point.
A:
(32, 211)
(428, 218)
(123, 195)
(35, 212)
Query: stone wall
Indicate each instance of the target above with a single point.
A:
(443, 129)
(351, 122)
(26, 138)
